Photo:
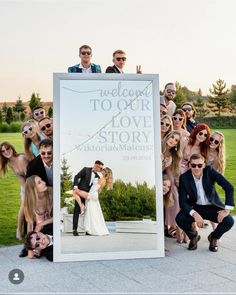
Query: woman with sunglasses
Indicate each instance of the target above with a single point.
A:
(216, 152)
(18, 164)
(94, 223)
(179, 123)
(166, 125)
(171, 158)
(38, 204)
(198, 144)
(32, 138)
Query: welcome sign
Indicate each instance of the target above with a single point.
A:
(114, 119)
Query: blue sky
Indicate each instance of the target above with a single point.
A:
(192, 42)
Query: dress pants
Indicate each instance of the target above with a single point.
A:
(207, 212)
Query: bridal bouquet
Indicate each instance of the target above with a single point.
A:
(70, 204)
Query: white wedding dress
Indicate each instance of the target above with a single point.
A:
(94, 223)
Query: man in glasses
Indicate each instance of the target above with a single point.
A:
(46, 127)
(190, 112)
(167, 98)
(39, 113)
(199, 200)
(42, 165)
(85, 65)
(41, 243)
(119, 60)
(83, 181)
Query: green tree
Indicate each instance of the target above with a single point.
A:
(218, 97)
(1, 117)
(66, 180)
(4, 110)
(18, 108)
(9, 115)
(22, 116)
(50, 112)
(35, 101)
(180, 96)
(201, 108)
(232, 99)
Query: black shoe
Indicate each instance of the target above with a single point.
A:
(75, 233)
(193, 242)
(87, 234)
(23, 253)
(213, 243)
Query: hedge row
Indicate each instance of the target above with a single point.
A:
(14, 127)
(226, 122)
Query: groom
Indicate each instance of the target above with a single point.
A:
(83, 181)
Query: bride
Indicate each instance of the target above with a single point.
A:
(94, 223)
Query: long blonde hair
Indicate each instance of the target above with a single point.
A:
(27, 141)
(108, 175)
(219, 161)
(31, 199)
(167, 198)
(176, 152)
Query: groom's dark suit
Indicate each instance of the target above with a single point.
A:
(113, 69)
(188, 199)
(82, 181)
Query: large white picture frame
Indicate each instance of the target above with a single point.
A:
(113, 118)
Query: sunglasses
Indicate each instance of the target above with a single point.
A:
(170, 91)
(37, 238)
(165, 124)
(178, 118)
(39, 113)
(121, 58)
(187, 110)
(26, 131)
(6, 149)
(202, 134)
(163, 112)
(46, 126)
(85, 52)
(46, 153)
(214, 140)
(196, 165)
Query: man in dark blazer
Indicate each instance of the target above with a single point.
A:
(42, 164)
(199, 200)
(85, 65)
(41, 242)
(83, 181)
(119, 59)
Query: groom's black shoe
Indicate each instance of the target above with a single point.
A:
(75, 233)
(193, 242)
(23, 253)
(87, 234)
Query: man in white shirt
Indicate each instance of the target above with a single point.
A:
(85, 65)
(167, 98)
(199, 200)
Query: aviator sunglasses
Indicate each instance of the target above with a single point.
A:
(170, 91)
(85, 52)
(121, 58)
(165, 124)
(46, 126)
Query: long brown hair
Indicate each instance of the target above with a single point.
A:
(182, 114)
(4, 161)
(167, 198)
(31, 199)
(176, 152)
(108, 175)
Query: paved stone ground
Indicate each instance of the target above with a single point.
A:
(181, 271)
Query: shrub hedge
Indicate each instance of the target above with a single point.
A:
(224, 122)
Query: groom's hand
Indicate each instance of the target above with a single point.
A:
(198, 219)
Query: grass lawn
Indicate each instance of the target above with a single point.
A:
(10, 188)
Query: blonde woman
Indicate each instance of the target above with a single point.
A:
(94, 223)
(18, 164)
(166, 125)
(179, 124)
(37, 203)
(216, 152)
(32, 138)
